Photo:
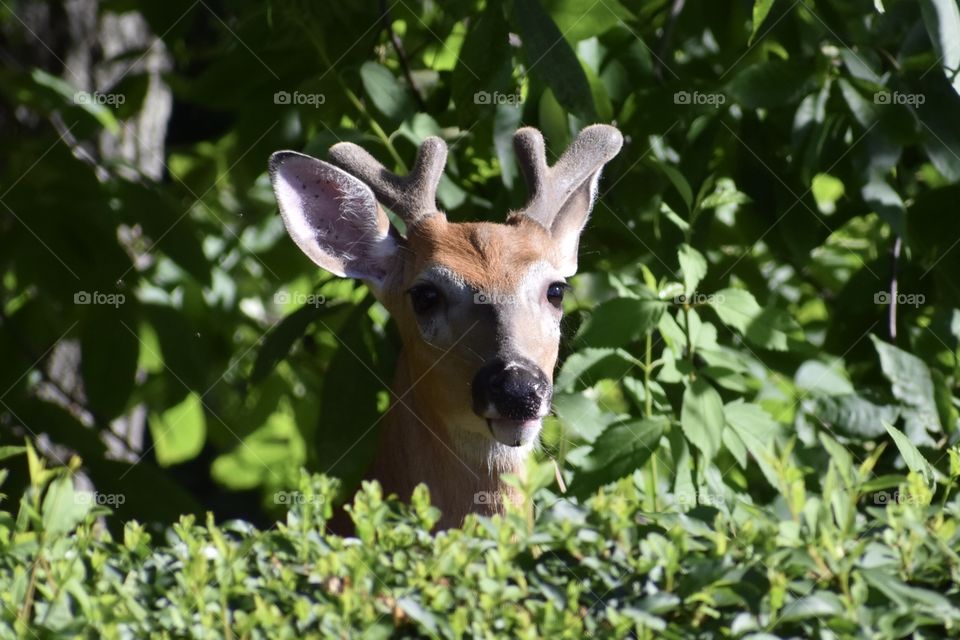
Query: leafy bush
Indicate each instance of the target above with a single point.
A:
(849, 562)
(776, 148)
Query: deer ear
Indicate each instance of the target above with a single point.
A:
(333, 217)
(570, 222)
(562, 196)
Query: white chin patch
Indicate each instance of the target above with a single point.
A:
(515, 433)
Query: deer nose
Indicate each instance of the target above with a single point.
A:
(514, 388)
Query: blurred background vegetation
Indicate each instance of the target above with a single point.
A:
(790, 170)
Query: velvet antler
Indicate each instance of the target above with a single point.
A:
(412, 197)
(551, 188)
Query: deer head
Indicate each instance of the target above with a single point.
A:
(478, 304)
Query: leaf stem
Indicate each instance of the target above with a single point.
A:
(653, 482)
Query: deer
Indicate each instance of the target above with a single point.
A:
(478, 305)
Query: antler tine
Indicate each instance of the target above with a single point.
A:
(532, 158)
(550, 187)
(414, 196)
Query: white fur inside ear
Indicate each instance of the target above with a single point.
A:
(570, 222)
(332, 216)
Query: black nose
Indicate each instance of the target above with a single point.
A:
(514, 388)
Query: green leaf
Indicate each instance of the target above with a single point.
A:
(826, 190)
(264, 456)
(679, 182)
(761, 8)
(815, 377)
(758, 432)
(942, 19)
(737, 308)
(63, 509)
(281, 339)
(350, 407)
(769, 329)
(10, 451)
(853, 415)
(724, 194)
(910, 454)
(179, 432)
(578, 20)
(820, 604)
(910, 381)
(389, 96)
(582, 415)
(621, 321)
(77, 98)
(694, 267)
(702, 417)
(774, 83)
(587, 366)
(886, 202)
(550, 58)
(864, 111)
(109, 348)
(911, 598)
(484, 68)
(421, 614)
(620, 450)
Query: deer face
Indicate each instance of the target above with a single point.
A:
(478, 305)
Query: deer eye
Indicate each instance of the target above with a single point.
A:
(555, 293)
(425, 298)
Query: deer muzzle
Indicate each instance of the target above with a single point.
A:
(513, 394)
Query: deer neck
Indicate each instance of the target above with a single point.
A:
(463, 469)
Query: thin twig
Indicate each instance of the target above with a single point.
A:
(675, 10)
(401, 55)
(894, 291)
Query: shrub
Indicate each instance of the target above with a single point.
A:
(866, 557)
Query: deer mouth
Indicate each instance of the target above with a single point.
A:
(514, 433)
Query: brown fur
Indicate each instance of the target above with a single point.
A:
(489, 256)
